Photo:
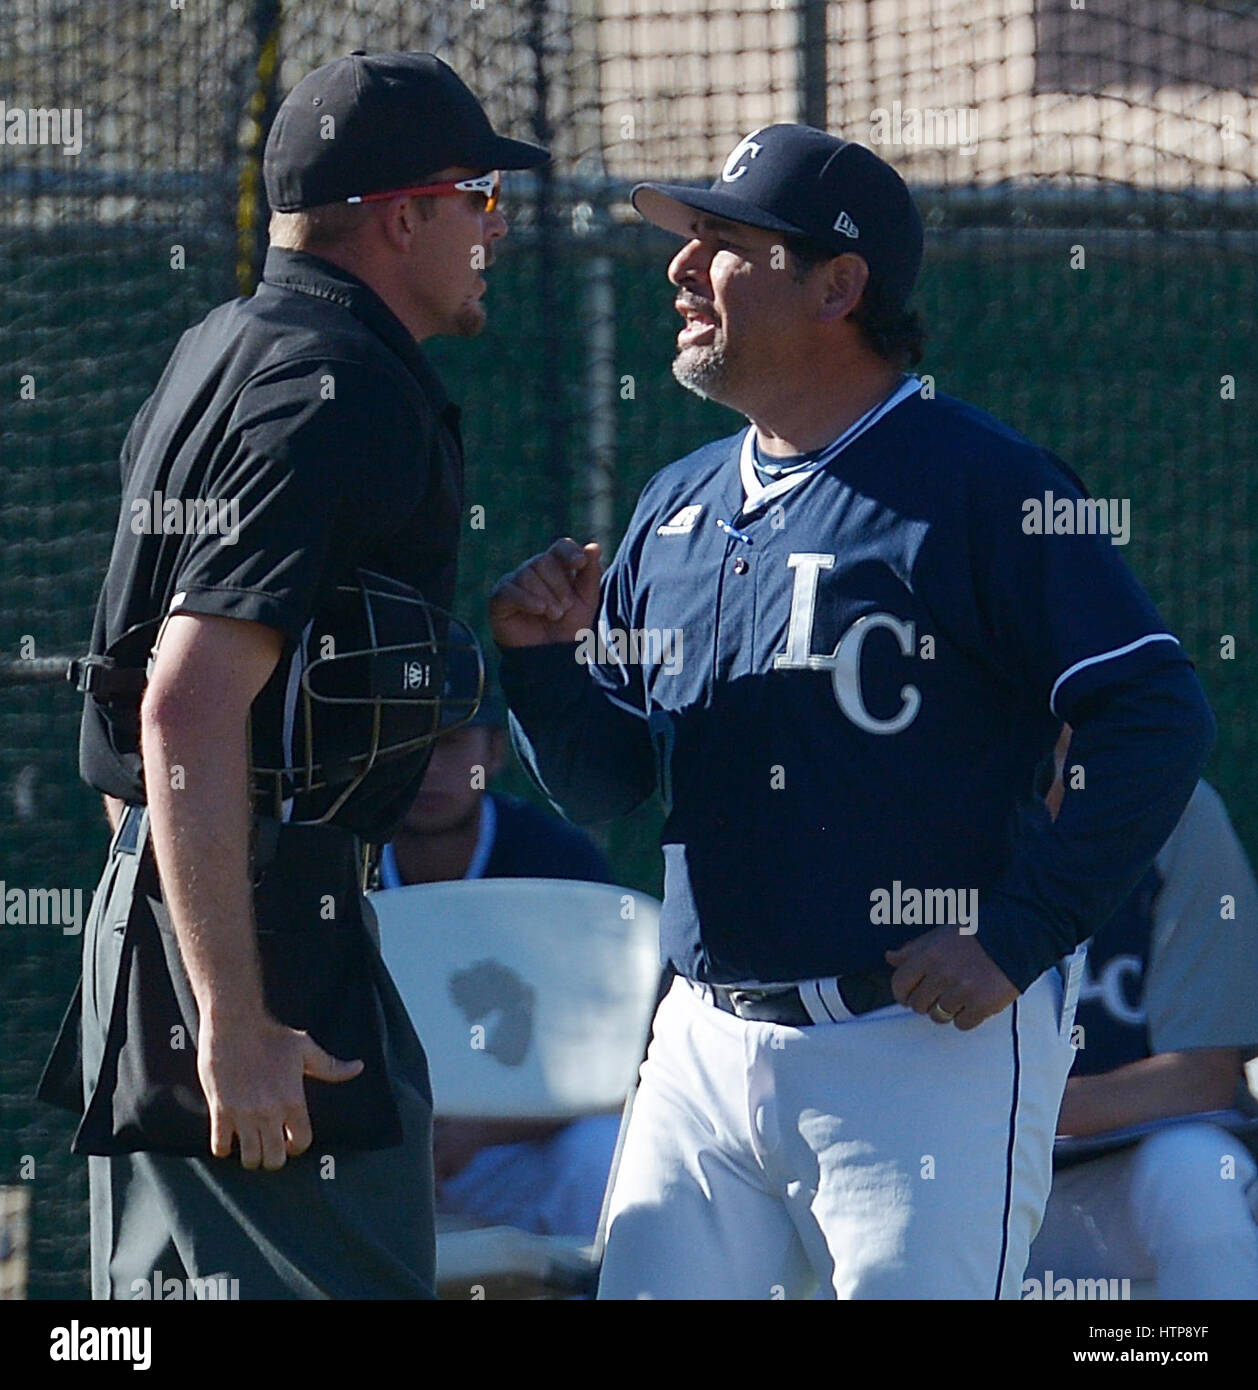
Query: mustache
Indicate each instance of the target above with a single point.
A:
(686, 300)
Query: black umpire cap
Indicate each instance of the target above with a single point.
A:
(804, 182)
(372, 123)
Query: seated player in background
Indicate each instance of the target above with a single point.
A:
(1169, 1013)
(542, 1176)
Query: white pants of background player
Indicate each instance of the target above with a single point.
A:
(553, 1187)
(885, 1156)
(1173, 1209)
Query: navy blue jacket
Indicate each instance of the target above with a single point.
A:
(847, 693)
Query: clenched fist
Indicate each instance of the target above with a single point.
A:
(550, 598)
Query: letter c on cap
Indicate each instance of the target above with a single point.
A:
(746, 148)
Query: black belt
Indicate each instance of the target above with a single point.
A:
(861, 994)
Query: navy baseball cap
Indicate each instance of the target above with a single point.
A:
(804, 182)
(370, 123)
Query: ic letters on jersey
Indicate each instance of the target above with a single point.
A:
(844, 663)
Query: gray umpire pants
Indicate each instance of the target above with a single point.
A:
(327, 1225)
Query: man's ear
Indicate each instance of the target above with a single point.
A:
(845, 279)
(400, 219)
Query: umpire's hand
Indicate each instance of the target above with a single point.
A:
(550, 598)
(252, 1078)
(950, 978)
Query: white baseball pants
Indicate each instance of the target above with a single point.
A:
(882, 1157)
(1177, 1209)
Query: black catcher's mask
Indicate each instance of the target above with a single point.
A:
(385, 674)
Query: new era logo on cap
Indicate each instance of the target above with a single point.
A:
(843, 223)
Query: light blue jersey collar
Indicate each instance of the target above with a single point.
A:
(485, 836)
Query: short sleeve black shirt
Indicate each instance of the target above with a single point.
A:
(294, 438)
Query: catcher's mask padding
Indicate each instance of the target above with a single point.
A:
(385, 673)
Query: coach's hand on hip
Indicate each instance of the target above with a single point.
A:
(950, 978)
(550, 598)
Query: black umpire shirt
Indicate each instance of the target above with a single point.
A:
(293, 438)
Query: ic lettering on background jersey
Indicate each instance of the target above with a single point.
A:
(844, 663)
(1111, 988)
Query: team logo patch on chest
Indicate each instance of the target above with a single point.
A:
(683, 523)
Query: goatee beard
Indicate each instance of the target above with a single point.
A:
(702, 370)
(469, 321)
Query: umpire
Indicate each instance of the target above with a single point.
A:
(256, 1104)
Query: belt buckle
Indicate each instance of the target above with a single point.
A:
(744, 1002)
(739, 1000)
